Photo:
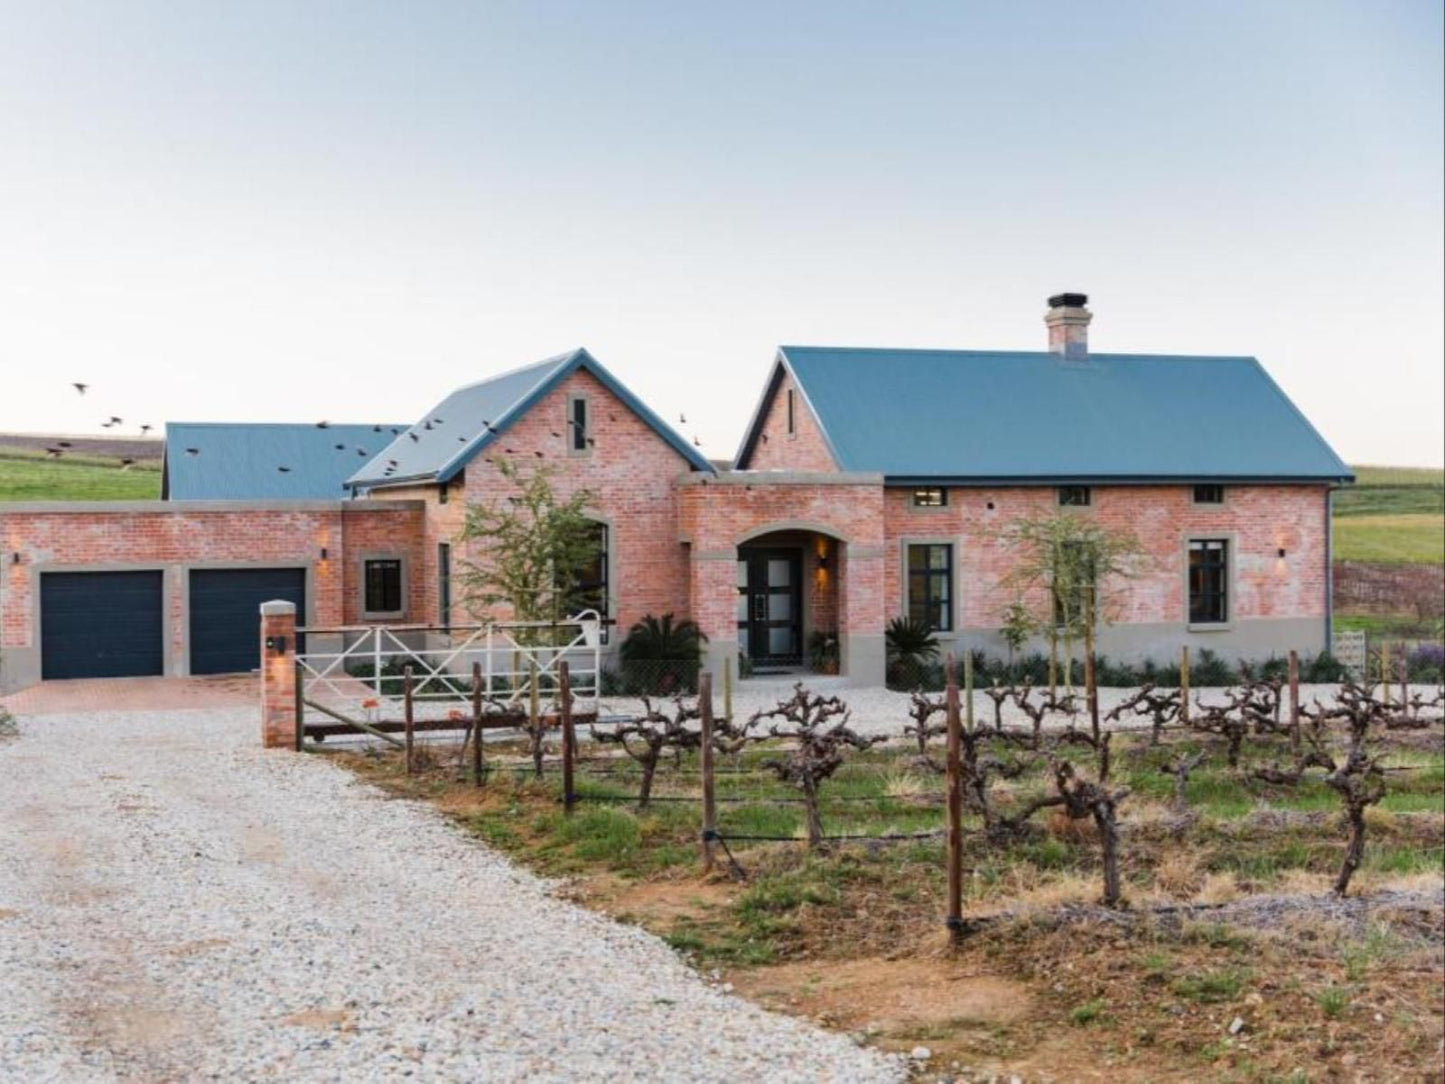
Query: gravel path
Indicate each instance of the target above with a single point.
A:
(177, 904)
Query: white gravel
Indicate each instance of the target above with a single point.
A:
(176, 903)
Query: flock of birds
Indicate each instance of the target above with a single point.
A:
(60, 447)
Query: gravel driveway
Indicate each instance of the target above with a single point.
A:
(176, 903)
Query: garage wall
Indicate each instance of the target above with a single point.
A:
(174, 537)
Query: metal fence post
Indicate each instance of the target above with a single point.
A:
(477, 724)
(569, 735)
(410, 722)
(1184, 684)
(955, 809)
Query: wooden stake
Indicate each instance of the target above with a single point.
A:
(968, 691)
(728, 688)
(477, 724)
(1184, 684)
(709, 798)
(300, 704)
(1385, 671)
(1404, 679)
(410, 735)
(569, 735)
(955, 810)
(1294, 734)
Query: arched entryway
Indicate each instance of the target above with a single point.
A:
(787, 601)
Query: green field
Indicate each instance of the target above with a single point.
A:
(1392, 515)
(25, 476)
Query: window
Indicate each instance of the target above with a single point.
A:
(1208, 581)
(1074, 496)
(930, 585)
(577, 422)
(592, 580)
(383, 586)
(792, 414)
(1209, 494)
(930, 498)
(444, 584)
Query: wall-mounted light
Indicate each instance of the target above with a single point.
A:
(15, 558)
(822, 560)
(1281, 552)
(323, 553)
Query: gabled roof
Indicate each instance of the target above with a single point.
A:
(977, 417)
(470, 419)
(242, 461)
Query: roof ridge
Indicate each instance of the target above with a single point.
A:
(973, 352)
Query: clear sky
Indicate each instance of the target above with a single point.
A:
(262, 211)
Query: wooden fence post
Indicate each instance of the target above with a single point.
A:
(410, 721)
(1294, 734)
(1384, 672)
(728, 688)
(569, 734)
(709, 797)
(477, 724)
(1404, 679)
(968, 692)
(955, 809)
(1184, 684)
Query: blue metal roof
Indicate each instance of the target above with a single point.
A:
(240, 461)
(972, 416)
(468, 420)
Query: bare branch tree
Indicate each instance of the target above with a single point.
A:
(821, 741)
(920, 709)
(647, 737)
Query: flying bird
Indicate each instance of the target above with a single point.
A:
(437, 420)
(696, 443)
(54, 453)
(145, 429)
(361, 452)
(341, 447)
(395, 431)
(427, 427)
(323, 425)
(113, 421)
(80, 387)
(682, 419)
(284, 470)
(193, 451)
(62, 444)
(414, 437)
(462, 439)
(377, 429)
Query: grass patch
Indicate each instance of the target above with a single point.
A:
(25, 477)
(1212, 987)
(1090, 1012)
(1412, 538)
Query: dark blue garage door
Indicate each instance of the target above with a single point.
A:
(226, 614)
(100, 624)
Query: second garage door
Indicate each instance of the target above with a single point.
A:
(226, 614)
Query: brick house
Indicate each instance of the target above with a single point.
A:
(870, 484)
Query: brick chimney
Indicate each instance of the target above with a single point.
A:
(1068, 323)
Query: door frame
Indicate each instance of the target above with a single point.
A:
(757, 557)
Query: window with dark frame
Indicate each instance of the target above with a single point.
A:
(1208, 581)
(1075, 497)
(930, 497)
(792, 414)
(383, 586)
(592, 580)
(930, 585)
(579, 424)
(1208, 494)
(444, 584)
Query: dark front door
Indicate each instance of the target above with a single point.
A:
(100, 624)
(226, 614)
(770, 610)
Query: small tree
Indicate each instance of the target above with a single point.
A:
(1018, 625)
(1076, 563)
(532, 547)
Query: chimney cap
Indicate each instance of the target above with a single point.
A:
(1068, 301)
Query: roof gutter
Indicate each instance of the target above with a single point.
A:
(979, 480)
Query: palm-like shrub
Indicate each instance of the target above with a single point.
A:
(662, 656)
(912, 648)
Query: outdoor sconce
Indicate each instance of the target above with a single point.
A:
(823, 561)
(1281, 552)
(276, 645)
(323, 553)
(15, 558)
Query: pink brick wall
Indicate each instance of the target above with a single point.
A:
(717, 517)
(805, 450)
(630, 470)
(1260, 520)
(175, 538)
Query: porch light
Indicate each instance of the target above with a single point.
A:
(323, 553)
(1281, 553)
(15, 558)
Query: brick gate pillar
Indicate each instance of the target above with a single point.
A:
(279, 724)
